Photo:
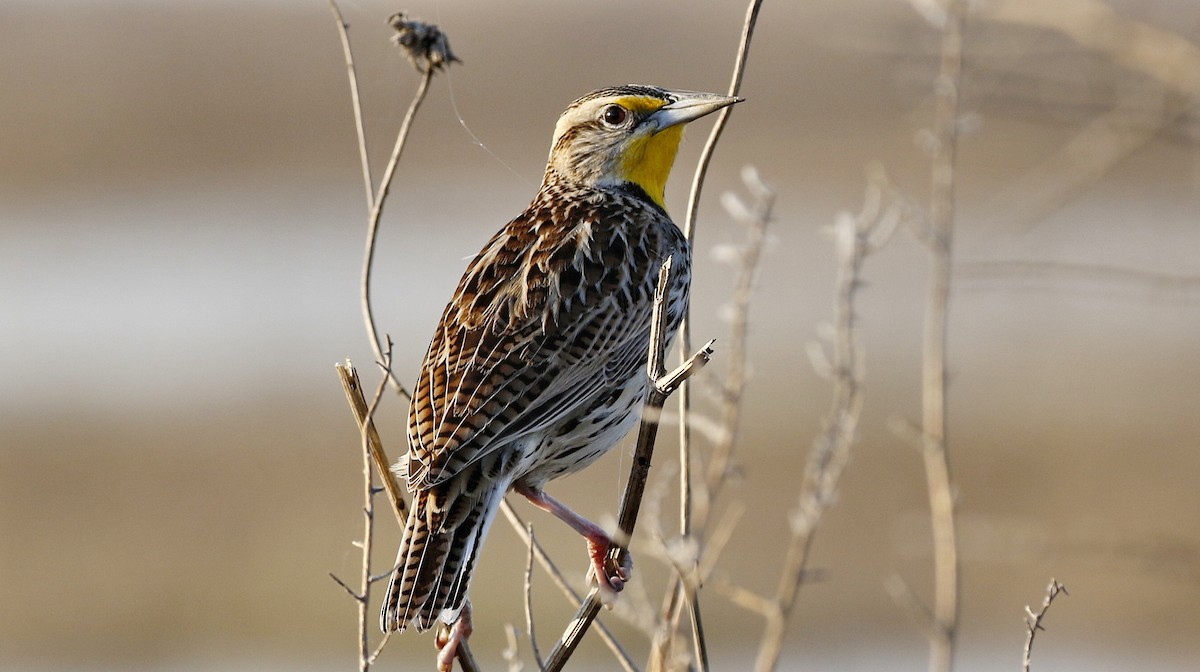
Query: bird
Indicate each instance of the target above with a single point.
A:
(537, 365)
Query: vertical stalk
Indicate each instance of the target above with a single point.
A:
(933, 372)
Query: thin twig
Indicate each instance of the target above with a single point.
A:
(349, 591)
(429, 50)
(855, 238)
(903, 595)
(511, 653)
(387, 637)
(755, 218)
(689, 230)
(466, 659)
(746, 599)
(685, 327)
(735, 87)
(537, 654)
(1033, 621)
(369, 445)
(933, 370)
(368, 542)
(352, 75)
(556, 575)
(353, 388)
(661, 386)
(385, 186)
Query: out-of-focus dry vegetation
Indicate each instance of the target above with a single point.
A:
(181, 226)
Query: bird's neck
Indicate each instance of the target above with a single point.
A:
(642, 167)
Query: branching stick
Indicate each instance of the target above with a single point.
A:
(855, 238)
(378, 456)
(1033, 621)
(661, 386)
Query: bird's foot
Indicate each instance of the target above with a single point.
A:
(608, 579)
(450, 636)
(598, 541)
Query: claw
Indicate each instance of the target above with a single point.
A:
(450, 636)
(598, 550)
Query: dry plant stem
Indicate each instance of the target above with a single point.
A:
(855, 239)
(537, 655)
(1033, 621)
(362, 414)
(716, 474)
(352, 386)
(573, 597)
(466, 659)
(685, 328)
(510, 653)
(372, 445)
(374, 202)
(385, 185)
(363, 598)
(699, 641)
(661, 386)
(735, 87)
(689, 231)
(352, 75)
(756, 221)
(933, 376)
(370, 448)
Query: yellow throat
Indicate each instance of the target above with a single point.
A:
(647, 162)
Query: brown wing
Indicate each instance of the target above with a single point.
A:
(552, 312)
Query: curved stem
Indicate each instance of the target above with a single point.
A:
(685, 328)
(689, 230)
(385, 185)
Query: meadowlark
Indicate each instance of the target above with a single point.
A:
(539, 360)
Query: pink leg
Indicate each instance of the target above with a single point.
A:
(449, 637)
(598, 540)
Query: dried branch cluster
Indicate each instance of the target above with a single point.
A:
(1033, 620)
(428, 50)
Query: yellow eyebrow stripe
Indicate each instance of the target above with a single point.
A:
(640, 104)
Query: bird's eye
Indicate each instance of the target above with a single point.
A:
(614, 115)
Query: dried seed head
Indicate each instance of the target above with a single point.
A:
(424, 44)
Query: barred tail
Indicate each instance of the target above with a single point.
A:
(442, 538)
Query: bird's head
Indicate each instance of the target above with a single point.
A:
(626, 134)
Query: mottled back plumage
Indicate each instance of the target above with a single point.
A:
(538, 364)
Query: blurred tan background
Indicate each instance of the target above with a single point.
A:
(182, 220)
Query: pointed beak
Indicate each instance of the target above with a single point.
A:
(688, 106)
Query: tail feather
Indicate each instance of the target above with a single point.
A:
(449, 590)
(437, 556)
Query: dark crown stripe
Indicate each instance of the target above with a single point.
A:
(624, 90)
